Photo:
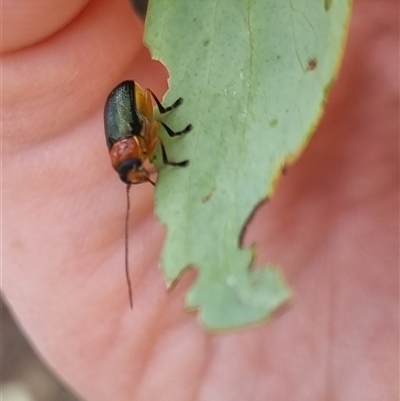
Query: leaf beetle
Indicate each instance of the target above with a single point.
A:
(132, 135)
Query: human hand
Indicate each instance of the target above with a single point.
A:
(332, 225)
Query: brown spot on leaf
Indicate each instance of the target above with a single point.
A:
(312, 64)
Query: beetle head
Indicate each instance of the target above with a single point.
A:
(131, 171)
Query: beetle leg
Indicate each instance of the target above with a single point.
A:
(169, 163)
(163, 109)
(172, 133)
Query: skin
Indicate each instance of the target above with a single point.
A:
(332, 226)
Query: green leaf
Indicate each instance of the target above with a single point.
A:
(254, 76)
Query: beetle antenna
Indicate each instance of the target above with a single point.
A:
(128, 280)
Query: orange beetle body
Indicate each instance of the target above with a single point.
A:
(142, 145)
(131, 130)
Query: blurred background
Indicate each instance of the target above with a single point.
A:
(23, 377)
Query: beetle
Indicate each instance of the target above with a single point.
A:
(132, 135)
